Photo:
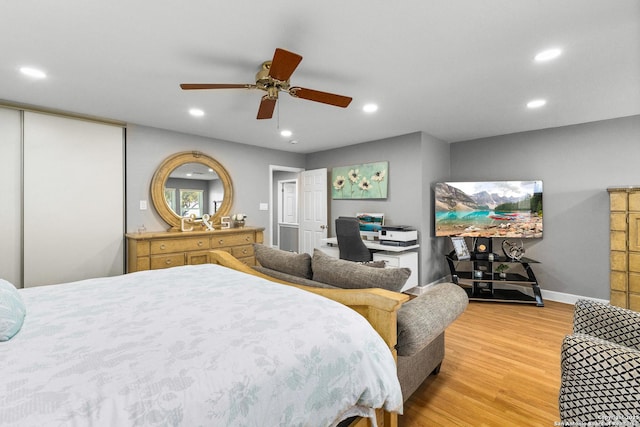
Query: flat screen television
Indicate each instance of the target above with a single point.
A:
(508, 209)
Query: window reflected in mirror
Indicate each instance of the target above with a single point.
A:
(194, 189)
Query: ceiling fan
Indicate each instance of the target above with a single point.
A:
(273, 78)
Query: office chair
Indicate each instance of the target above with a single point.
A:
(350, 243)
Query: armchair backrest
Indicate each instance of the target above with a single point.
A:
(607, 322)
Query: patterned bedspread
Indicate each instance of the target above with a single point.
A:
(190, 346)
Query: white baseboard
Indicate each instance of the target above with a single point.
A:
(567, 298)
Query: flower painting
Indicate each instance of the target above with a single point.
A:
(366, 181)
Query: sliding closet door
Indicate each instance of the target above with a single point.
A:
(73, 199)
(10, 213)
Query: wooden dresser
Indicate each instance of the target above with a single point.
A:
(152, 251)
(625, 246)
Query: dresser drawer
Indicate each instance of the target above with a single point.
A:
(618, 260)
(242, 251)
(618, 221)
(195, 258)
(179, 245)
(166, 261)
(634, 262)
(232, 240)
(618, 280)
(142, 264)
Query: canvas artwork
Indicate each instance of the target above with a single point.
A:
(364, 181)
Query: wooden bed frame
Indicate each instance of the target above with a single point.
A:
(378, 306)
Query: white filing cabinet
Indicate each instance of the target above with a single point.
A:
(401, 259)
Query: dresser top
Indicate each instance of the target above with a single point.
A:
(627, 188)
(186, 234)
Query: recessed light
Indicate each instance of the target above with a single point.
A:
(196, 112)
(286, 133)
(370, 108)
(33, 72)
(536, 103)
(548, 54)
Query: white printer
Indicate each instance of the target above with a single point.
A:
(398, 235)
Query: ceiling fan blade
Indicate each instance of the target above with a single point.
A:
(318, 96)
(191, 86)
(283, 64)
(267, 105)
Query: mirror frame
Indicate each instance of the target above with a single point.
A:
(166, 168)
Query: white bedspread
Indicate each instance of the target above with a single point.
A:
(190, 346)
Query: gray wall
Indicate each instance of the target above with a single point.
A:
(248, 167)
(415, 161)
(577, 164)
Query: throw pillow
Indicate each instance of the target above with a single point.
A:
(12, 311)
(286, 262)
(351, 275)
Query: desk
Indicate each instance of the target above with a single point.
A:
(393, 256)
(373, 245)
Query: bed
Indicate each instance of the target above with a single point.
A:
(198, 345)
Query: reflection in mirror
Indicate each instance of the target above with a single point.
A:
(194, 189)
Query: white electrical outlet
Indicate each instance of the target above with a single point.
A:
(264, 206)
(143, 205)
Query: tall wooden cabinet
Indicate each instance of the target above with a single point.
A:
(152, 251)
(625, 246)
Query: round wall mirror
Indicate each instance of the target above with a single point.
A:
(191, 183)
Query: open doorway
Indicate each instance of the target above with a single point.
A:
(283, 216)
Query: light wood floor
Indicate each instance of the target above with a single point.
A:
(501, 368)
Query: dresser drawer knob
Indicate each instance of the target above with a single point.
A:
(200, 243)
(244, 251)
(168, 262)
(162, 246)
(248, 238)
(220, 241)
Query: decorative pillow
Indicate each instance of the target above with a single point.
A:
(12, 311)
(286, 262)
(351, 275)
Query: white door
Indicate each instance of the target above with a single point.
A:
(313, 209)
(11, 212)
(73, 199)
(288, 211)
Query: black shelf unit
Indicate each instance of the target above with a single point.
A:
(483, 288)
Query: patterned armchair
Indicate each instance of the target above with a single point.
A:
(600, 365)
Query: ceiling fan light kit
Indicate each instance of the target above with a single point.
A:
(273, 78)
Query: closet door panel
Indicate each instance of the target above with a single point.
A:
(10, 213)
(73, 199)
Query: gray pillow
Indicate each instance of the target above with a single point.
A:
(286, 262)
(351, 275)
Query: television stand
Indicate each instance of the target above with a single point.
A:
(481, 278)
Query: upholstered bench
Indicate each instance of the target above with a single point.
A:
(421, 321)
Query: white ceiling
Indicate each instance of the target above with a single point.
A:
(456, 69)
